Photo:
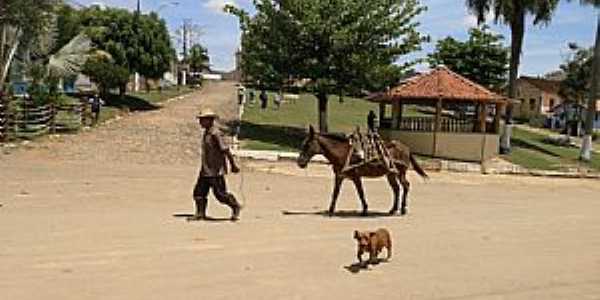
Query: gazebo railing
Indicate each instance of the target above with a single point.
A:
(417, 124)
(427, 124)
(456, 125)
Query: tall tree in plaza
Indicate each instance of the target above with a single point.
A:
(586, 145)
(577, 70)
(513, 13)
(482, 58)
(339, 46)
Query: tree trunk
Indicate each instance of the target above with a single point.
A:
(517, 27)
(322, 99)
(586, 145)
(6, 62)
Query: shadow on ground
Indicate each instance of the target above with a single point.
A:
(340, 214)
(190, 218)
(285, 136)
(130, 103)
(363, 266)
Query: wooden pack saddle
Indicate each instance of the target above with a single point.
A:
(367, 149)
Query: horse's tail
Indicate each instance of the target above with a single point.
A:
(417, 167)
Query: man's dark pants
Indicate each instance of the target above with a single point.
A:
(219, 188)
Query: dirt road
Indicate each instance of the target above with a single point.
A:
(111, 225)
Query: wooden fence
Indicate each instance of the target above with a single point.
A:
(3, 121)
(20, 119)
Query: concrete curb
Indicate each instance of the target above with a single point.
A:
(435, 165)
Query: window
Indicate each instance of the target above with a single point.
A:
(531, 104)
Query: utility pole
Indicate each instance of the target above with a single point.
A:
(187, 27)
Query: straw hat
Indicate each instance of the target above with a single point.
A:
(207, 113)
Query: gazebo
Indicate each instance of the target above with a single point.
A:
(464, 118)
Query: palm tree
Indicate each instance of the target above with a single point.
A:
(513, 13)
(586, 146)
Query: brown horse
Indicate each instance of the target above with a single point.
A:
(336, 149)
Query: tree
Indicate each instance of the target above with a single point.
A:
(198, 58)
(586, 145)
(20, 20)
(106, 74)
(139, 43)
(513, 13)
(482, 58)
(577, 71)
(339, 46)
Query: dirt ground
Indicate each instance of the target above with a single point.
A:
(101, 215)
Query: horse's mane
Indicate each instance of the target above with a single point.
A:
(338, 136)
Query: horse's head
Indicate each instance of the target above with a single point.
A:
(310, 147)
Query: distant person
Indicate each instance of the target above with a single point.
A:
(96, 104)
(215, 154)
(241, 95)
(264, 99)
(251, 97)
(371, 120)
(278, 99)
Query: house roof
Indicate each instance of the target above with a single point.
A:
(546, 85)
(440, 83)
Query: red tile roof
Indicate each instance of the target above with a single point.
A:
(439, 83)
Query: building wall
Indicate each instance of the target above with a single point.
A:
(534, 102)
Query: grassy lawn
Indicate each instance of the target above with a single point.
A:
(530, 151)
(284, 129)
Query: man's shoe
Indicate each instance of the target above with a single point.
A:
(235, 214)
(196, 218)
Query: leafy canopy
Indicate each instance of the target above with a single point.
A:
(198, 58)
(578, 72)
(105, 73)
(339, 45)
(137, 42)
(482, 58)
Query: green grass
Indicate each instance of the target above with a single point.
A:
(284, 129)
(531, 152)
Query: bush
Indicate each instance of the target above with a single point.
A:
(538, 121)
(595, 135)
(106, 74)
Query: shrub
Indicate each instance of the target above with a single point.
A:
(106, 74)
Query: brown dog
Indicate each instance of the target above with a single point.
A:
(372, 242)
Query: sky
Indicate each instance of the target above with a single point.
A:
(545, 47)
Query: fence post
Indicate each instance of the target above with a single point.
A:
(52, 121)
(81, 115)
(3, 121)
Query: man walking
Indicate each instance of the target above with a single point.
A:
(212, 172)
(263, 99)
(96, 103)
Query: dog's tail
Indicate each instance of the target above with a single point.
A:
(417, 167)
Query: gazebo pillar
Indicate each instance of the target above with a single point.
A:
(438, 124)
(482, 117)
(381, 114)
(497, 118)
(396, 114)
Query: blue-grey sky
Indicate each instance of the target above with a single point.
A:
(545, 46)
